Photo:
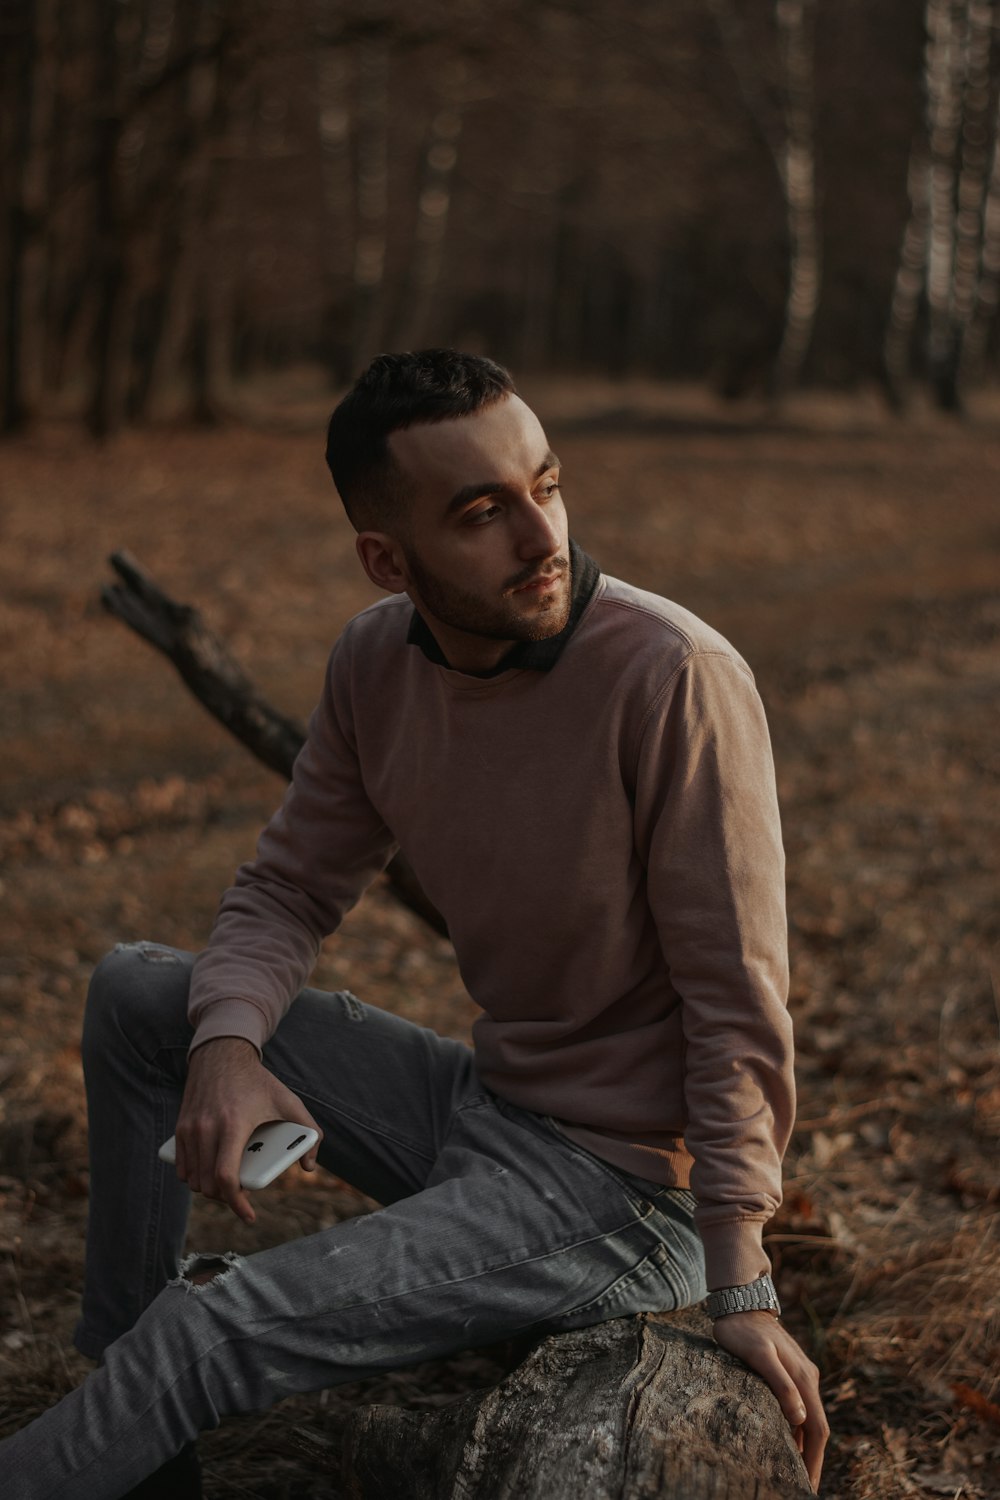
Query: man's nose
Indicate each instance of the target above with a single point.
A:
(538, 534)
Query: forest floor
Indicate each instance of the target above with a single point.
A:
(851, 557)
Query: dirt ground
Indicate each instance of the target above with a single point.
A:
(851, 557)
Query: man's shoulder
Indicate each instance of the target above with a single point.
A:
(383, 624)
(649, 625)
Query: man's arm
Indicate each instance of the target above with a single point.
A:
(318, 854)
(314, 859)
(708, 827)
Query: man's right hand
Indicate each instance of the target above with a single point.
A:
(228, 1094)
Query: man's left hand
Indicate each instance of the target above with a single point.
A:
(760, 1341)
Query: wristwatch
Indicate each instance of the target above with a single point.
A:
(756, 1296)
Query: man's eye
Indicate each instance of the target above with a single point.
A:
(486, 514)
(548, 490)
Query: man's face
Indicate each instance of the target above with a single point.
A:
(484, 549)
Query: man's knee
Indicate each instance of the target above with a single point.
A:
(128, 985)
(198, 1270)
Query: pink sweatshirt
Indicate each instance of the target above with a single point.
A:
(602, 839)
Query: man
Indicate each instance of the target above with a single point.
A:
(580, 775)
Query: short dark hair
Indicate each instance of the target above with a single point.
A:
(397, 391)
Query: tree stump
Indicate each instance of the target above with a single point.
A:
(631, 1409)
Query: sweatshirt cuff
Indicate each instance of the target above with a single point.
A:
(734, 1253)
(239, 1018)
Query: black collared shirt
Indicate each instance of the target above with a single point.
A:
(528, 656)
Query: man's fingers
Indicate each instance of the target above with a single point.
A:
(770, 1350)
(208, 1160)
(296, 1111)
(228, 1094)
(787, 1392)
(195, 1155)
(308, 1162)
(808, 1418)
(815, 1434)
(805, 1413)
(227, 1172)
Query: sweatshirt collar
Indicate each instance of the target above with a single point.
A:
(526, 656)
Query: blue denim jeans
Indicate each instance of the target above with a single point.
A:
(493, 1223)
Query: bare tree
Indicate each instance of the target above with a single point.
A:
(796, 21)
(177, 264)
(334, 62)
(790, 139)
(909, 283)
(950, 255)
(29, 88)
(946, 23)
(987, 302)
(372, 188)
(438, 162)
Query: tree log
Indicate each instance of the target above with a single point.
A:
(219, 683)
(641, 1408)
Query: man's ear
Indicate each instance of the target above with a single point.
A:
(382, 559)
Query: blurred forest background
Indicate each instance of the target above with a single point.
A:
(743, 257)
(751, 192)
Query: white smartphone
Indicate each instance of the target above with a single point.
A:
(270, 1149)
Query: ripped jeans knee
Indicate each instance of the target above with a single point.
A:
(199, 1270)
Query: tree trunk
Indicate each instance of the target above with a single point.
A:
(988, 287)
(945, 28)
(371, 219)
(791, 144)
(975, 161)
(112, 321)
(337, 213)
(641, 1408)
(190, 293)
(796, 30)
(33, 100)
(440, 158)
(909, 283)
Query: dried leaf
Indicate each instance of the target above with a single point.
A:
(976, 1402)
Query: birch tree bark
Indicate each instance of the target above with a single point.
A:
(791, 143)
(946, 21)
(909, 283)
(796, 21)
(973, 171)
(950, 251)
(988, 287)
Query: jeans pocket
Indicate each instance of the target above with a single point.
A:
(647, 1286)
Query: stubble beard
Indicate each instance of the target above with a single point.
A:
(460, 609)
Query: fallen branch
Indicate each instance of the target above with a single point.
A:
(217, 680)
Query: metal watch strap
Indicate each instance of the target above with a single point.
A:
(756, 1296)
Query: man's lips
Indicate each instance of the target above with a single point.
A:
(539, 584)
